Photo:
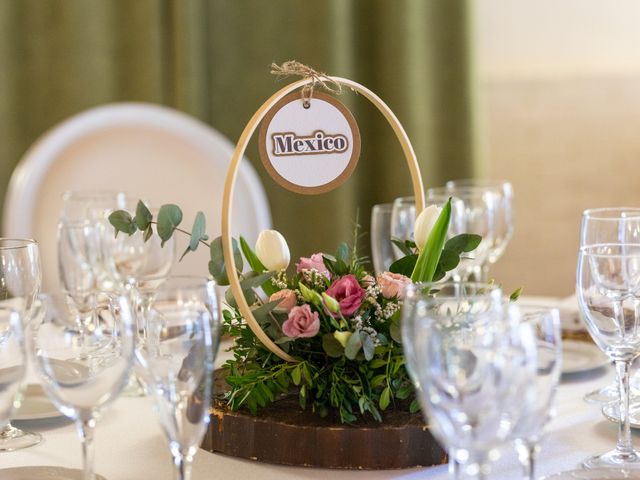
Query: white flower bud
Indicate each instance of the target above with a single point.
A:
(272, 250)
(424, 224)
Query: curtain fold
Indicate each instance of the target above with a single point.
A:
(210, 59)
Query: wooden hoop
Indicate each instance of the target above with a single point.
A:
(243, 142)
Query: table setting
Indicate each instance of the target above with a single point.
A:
(413, 364)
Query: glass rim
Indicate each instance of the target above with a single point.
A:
(20, 243)
(418, 288)
(180, 278)
(586, 249)
(598, 213)
(461, 193)
(479, 182)
(93, 193)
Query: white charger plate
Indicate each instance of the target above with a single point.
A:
(35, 405)
(43, 473)
(580, 357)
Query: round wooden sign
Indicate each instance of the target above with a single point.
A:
(309, 146)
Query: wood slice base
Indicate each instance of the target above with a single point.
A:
(284, 434)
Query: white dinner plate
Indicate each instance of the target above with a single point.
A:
(595, 474)
(611, 413)
(43, 473)
(35, 405)
(579, 357)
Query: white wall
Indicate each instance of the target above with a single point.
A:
(550, 38)
(559, 103)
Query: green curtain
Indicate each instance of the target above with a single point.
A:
(210, 59)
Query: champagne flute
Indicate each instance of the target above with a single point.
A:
(382, 253)
(183, 335)
(529, 429)
(608, 287)
(610, 225)
(82, 389)
(503, 190)
(20, 280)
(472, 362)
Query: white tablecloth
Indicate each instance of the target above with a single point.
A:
(130, 445)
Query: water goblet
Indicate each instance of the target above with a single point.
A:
(610, 225)
(476, 214)
(20, 280)
(13, 361)
(82, 387)
(608, 290)
(382, 254)
(403, 219)
(529, 429)
(472, 362)
(503, 190)
(182, 340)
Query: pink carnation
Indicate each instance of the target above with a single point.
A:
(301, 322)
(392, 285)
(315, 262)
(349, 294)
(287, 299)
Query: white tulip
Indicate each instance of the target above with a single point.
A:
(272, 250)
(424, 224)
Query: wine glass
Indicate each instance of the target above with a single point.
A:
(12, 361)
(20, 280)
(182, 340)
(503, 190)
(528, 430)
(403, 219)
(476, 214)
(610, 225)
(382, 253)
(472, 362)
(607, 287)
(81, 386)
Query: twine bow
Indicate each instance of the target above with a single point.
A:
(293, 67)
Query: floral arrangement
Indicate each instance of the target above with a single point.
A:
(339, 321)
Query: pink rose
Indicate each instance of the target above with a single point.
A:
(368, 280)
(315, 262)
(302, 322)
(287, 299)
(393, 284)
(348, 292)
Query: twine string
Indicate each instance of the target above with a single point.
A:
(320, 79)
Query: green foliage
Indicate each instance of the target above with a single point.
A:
(429, 257)
(216, 265)
(169, 217)
(122, 222)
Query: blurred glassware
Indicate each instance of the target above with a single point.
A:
(20, 280)
(183, 329)
(472, 362)
(382, 254)
(403, 219)
(529, 429)
(87, 205)
(503, 230)
(608, 287)
(81, 386)
(13, 362)
(610, 225)
(476, 214)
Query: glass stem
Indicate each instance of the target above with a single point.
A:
(527, 454)
(624, 447)
(454, 465)
(86, 429)
(183, 464)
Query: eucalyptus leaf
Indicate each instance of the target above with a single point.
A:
(449, 260)
(332, 346)
(198, 231)
(405, 265)
(169, 217)
(343, 253)
(368, 347)
(402, 246)
(216, 264)
(430, 254)
(122, 222)
(465, 242)
(261, 313)
(354, 344)
(143, 216)
(148, 232)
